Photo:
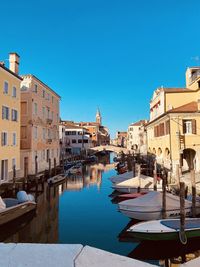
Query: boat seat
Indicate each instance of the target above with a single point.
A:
(175, 224)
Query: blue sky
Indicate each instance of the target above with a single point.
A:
(109, 54)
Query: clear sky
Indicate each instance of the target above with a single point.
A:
(109, 54)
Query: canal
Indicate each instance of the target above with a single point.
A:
(81, 212)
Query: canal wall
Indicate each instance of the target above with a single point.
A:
(62, 255)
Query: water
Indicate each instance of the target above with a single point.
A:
(81, 212)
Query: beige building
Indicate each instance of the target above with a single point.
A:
(136, 137)
(173, 130)
(39, 125)
(10, 118)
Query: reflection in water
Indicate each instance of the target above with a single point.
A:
(41, 227)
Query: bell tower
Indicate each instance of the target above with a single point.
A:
(98, 116)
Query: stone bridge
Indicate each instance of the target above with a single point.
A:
(109, 148)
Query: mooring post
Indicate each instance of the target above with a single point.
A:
(14, 178)
(192, 172)
(155, 176)
(164, 182)
(139, 177)
(182, 235)
(133, 167)
(55, 166)
(177, 175)
(49, 167)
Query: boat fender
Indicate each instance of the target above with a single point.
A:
(22, 196)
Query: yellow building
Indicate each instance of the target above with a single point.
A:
(173, 133)
(10, 118)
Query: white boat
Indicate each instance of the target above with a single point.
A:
(57, 179)
(121, 177)
(145, 183)
(167, 229)
(149, 207)
(13, 208)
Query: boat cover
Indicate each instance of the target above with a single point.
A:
(153, 201)
(175, 224)
(144, 182)
(121, 177)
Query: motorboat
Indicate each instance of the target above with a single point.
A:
(149, 206)
(57, 179)
(166, 229)
(140, 183)
(121, 177)
(13, 208)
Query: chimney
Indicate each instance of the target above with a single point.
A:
(14, 62)
(198, 105)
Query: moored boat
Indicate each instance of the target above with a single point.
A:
(121, 177)
(143, 182)
(13, 208)
(149, 207)
(168, 229)
(57, 179)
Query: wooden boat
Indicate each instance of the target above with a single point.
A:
(145, 183)
(13, 209)
(121, 177)
(57, 179)
(168, 229)
(149, 207)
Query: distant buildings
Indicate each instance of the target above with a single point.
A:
(121, 139)
(136, 137)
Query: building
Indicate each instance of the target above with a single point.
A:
(136, 137)
(173, 129)
(10, 118)
(75, 139)
(121, 139)
(99, 133)
(40, 118)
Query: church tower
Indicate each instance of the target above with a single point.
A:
(98, 116)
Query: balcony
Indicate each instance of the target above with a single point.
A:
(49, 141)
(49, 121)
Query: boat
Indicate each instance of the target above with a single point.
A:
(145, 183)
(57, 179)
(124, 197)
(149, 207)
(166, 229)
(121, 177)
(13, 208)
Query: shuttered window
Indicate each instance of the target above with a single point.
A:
(167, 127)
(4, 138)
(23, 132)
(194, 127)
(189, 126)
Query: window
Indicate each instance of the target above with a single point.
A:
(14, 115)
(14, 142)
(35, 108)
(79, 133)
(23, 108)
(4, 139)
(23, 132)
(85, 141)
(35, 88)
(70, 132)
(5, 88)
(189, 126)
(73, 141)
(5, 113)
(79, 141)
(35, 132)
(44, 133)
(52, 99)
(43, 93)
(14, 91)
(4, 169)
(48, 96)
(43, 112)
(52, 115)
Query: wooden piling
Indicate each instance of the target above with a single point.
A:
(192, 172)
(164, 182)
(155, 176)
(54, 166)
(133, 168)
(49, 167)
(177, 175)
(14, 178)
(36, 165)
(182, 234)
(139, 177)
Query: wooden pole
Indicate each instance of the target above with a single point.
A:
(55, 166)
(49, 167)
(177, 175)
(139, 177)
(182, 234)
(133, 167)
(36, 165)
(192, 172)
(155, 176)
(164, 197)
